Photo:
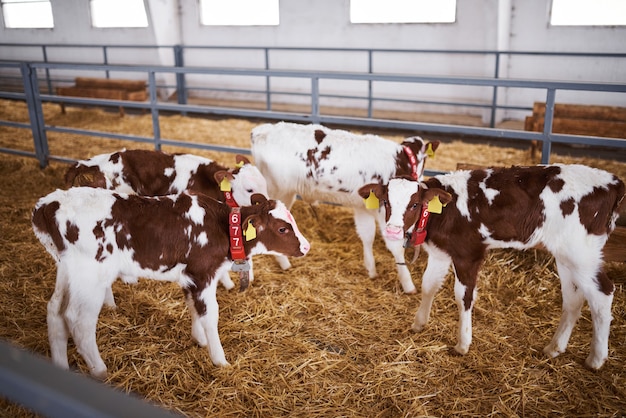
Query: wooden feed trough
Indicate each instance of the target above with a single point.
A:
(104, 88)
(606, 121)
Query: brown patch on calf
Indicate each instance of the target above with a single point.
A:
(595, 210)
(605, 284)
(44, 219)
(567, 206)
(319, 135)
(71, 232)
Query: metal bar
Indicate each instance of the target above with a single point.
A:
(45, 59)
(181, 88)
(268, 98)
(32, 381)
(35, 112)
(156, 128)
(105, 59)
(315, 100)
(370, 70)
(494, 99)
(546, 147)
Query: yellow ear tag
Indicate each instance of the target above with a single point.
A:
(250, 232)
(225, 185)
(435, 206)
(372, 201)
(239, 164)
(429, 150)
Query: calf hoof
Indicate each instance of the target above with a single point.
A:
(594, 362)
(227, 283)
(461, 349)
(552, 351)
(417, 327)
(410, 291)
(99, 374)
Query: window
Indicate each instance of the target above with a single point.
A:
(402, 11)
(588, 13)
(239, 12)
(27, 13)
(118, 14)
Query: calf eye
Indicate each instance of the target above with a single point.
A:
(283, 230)
(250, 191)
(414, 206)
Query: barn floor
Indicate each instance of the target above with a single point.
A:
(320, 339)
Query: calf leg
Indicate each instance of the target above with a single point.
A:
(466, 274)
(572, 303)
(206, 307)
(109, 299)
(434, 275)
(365, 224)
(58, 333)
(600, 306)
(396, 247)
(197, 331)
(81, 315)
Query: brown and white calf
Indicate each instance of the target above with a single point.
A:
(156, 173)
(330, 165)
(97, 235)
(570, 210)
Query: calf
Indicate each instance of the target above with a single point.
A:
(97, 235)
(156, 173)
(321, 164)
(568, 209)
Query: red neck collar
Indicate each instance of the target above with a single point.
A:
(237, 251)
(230, 200)
(418, 236)
(412, 161)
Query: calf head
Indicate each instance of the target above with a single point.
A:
(244, 181)
(402, 200)
(421, 150)
(274, 228)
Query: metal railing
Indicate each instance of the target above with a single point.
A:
(372, 57)
(34, 98)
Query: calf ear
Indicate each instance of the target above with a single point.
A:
(444, 197)
(364, 191)
(256, 222)
(434, 145)
(257, 199)
(220, 175)
(240, 159)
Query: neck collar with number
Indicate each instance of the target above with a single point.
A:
(418, 236)
(237, 251)
(415, 166)
(229, 199)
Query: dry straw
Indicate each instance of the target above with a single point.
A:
(320, 339)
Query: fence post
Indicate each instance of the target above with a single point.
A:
(156, 128)
(268, 94)
(370, 70)
(181, 88)
(315, 99)
(494, 100)
(35, 113)
(44, 50)
(547, 127)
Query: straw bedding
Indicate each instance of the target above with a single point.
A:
(321, 339)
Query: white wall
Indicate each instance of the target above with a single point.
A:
(518, 25)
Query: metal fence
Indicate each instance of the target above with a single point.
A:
(362, 60)
(34, 98)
